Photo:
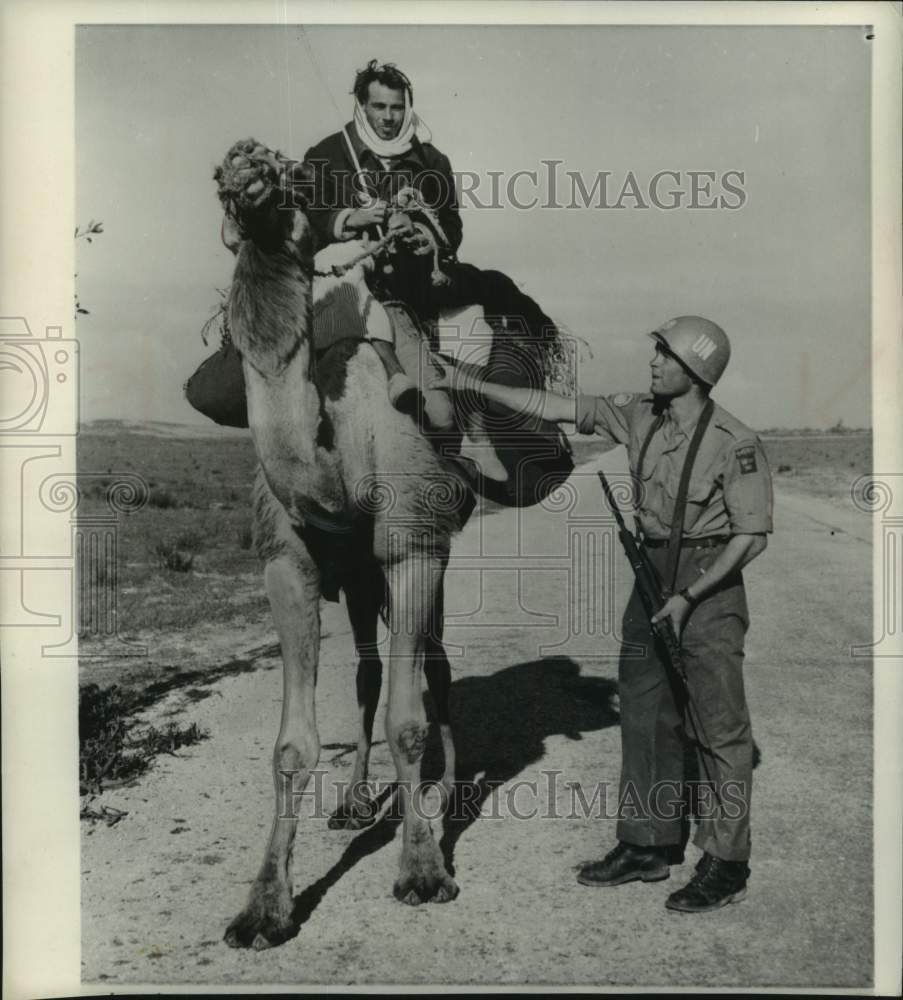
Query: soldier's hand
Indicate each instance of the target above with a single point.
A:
(371, 215)
(445, 376)
(676, 608)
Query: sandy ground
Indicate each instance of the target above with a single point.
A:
(159, 888)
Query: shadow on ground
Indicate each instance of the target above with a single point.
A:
(201, 681)
(500, 724)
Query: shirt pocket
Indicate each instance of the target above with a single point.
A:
(644, 489)
(700, 492)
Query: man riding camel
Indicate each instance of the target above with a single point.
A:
(381, 200)
(358, 175)
(363, 177)
(361, 170)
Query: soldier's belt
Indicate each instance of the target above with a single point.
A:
(708, 542)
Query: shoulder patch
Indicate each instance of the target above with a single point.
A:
(746, 456)
(622, 398)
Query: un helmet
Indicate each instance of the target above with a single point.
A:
(698, 343)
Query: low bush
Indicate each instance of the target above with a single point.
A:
(109, 752)
(170, 556)
(162, 499)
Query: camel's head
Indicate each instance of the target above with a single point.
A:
(262, 193)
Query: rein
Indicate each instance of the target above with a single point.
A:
(337, 270)
(420, 236)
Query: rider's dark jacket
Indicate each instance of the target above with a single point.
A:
(336, 187)
(333, 192)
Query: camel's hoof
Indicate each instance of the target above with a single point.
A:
(416, 889)
(263, 923)
(245, 932)
(354, 816)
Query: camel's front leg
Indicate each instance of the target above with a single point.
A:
(438, 679)
(414, 584)
(292, 585)
(364, 597)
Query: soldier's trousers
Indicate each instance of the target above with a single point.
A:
(655, 729)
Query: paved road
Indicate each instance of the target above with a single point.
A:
(534, 700)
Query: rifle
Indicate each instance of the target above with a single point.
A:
(649, 588)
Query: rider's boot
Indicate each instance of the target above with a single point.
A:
(477, 446)
(403, 391)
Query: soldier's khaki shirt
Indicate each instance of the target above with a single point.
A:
(730, 487)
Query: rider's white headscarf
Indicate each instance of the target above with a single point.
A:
(411, 125)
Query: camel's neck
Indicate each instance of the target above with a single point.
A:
(271, 325)
(270, 308)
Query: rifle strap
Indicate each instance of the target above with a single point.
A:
(654, 426)
(659, 420)
(680, 506)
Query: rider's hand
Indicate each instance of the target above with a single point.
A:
(371, 215)
(400, 223)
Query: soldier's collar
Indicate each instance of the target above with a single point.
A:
(668, 414)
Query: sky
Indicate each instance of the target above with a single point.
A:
(787, 274)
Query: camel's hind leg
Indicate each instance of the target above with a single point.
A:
(293, 587)
(414, 583)
(438, 679)
(365, 598)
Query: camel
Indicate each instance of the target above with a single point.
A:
(350, 491)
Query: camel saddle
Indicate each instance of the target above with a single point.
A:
(536, 454)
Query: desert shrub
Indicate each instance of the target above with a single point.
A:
(101, 737)
(170, 556)
(108, 751)
(169, 739)
(245, 537)
(100, 712)
(189, 541)
(162, 499)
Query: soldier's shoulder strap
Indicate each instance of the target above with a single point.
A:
(680, 506)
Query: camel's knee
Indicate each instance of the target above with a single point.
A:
(291, 579)
(407, 740)
(296, 753)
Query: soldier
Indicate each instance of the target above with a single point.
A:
(728, 512)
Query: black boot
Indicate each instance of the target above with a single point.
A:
(715, 884)
(626, 863)
(403, 391)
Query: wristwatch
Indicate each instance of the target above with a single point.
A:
(685, 594)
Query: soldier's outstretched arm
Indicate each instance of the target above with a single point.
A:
(550, 406)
